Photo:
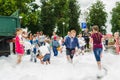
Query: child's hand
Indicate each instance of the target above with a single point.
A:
(21, 42)
(73, 51)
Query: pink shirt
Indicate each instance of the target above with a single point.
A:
(117, 41)
(19, 49)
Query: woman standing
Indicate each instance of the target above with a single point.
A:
(96, 38)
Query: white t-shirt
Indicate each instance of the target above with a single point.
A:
(60, 41)
(44, 49)
(41, 38)
(27, 45)
(81, 41)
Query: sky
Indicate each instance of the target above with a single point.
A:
(109, 4)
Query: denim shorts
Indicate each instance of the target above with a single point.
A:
(97, 53)
(46, 57)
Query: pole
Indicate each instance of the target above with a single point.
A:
(63, 29)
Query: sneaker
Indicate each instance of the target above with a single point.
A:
(100, 73)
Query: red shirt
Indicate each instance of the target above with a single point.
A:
(97, 37)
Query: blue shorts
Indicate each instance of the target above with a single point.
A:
(97, 53)
(46, 57)
(34, 50)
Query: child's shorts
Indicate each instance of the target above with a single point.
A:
(46, 57)
(97, 53)
(70, 51)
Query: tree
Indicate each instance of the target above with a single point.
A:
(61, 16)
(29, 13)
(7, 7)
(115, 21)
(74, 12)
(33, 18)
(47, 17)
(97, 15)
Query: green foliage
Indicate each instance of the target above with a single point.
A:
(115, 21)
(97, 15)
(61, 16)
(29, 15)
(74, 12)
(7, 7)
(47, 17)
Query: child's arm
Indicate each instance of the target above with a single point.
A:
(78, 44)
(21, 42)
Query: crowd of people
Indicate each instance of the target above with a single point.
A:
(40, 46)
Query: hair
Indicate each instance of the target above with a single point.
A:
(116, 34)
(34, 35)
(37, 55)
(23, 32)
(18, 29)
(47, 40)
(96, 28)
(68, 32)
(73, 31)
(41, 32)
(97, 36)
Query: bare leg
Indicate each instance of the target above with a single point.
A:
(19, 59)
(99, 65)
(42, 62)
(49, 62)
(68, 57)
(83, 52)
(46, 62)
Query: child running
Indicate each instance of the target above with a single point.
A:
(19, 49)
(71, 43)
(96, 38)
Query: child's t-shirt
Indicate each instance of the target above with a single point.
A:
(81, 41)
(44, 50)
(41, 38)
(97, 43)
(55, 43)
